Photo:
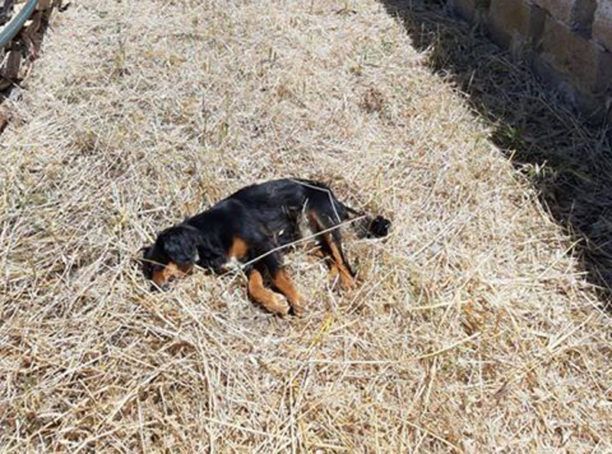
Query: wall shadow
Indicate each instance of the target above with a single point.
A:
(569, 161)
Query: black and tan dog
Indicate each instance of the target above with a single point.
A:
(253, 226)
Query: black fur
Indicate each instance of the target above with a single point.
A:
(265, 216)
(181, 244)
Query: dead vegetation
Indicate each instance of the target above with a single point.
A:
(474, 328)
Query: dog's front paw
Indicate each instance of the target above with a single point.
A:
(277, 305)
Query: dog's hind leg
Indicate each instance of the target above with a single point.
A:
(331, 245)
(320, 254)
(347, 276)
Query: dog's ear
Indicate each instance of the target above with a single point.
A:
(181, 245)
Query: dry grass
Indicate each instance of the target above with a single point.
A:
(474, 330)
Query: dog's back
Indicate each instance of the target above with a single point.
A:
(281, 206)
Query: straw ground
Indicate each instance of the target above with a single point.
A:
(474, 327)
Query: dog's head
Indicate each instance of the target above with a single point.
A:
(173, 254)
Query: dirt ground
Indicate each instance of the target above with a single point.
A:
(474, 328)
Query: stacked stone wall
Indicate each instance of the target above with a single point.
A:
(568, 42)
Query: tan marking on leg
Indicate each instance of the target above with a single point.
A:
(337, 266)
(267, 298)
(333, 268)
(333, 271)
(283, 282)
(169, 272)
(238, 249)
(317, 252)
(346, 279)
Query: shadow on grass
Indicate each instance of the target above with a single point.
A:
(569, 162)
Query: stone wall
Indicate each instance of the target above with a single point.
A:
(568, 42)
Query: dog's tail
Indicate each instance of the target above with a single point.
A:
(368, 226)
